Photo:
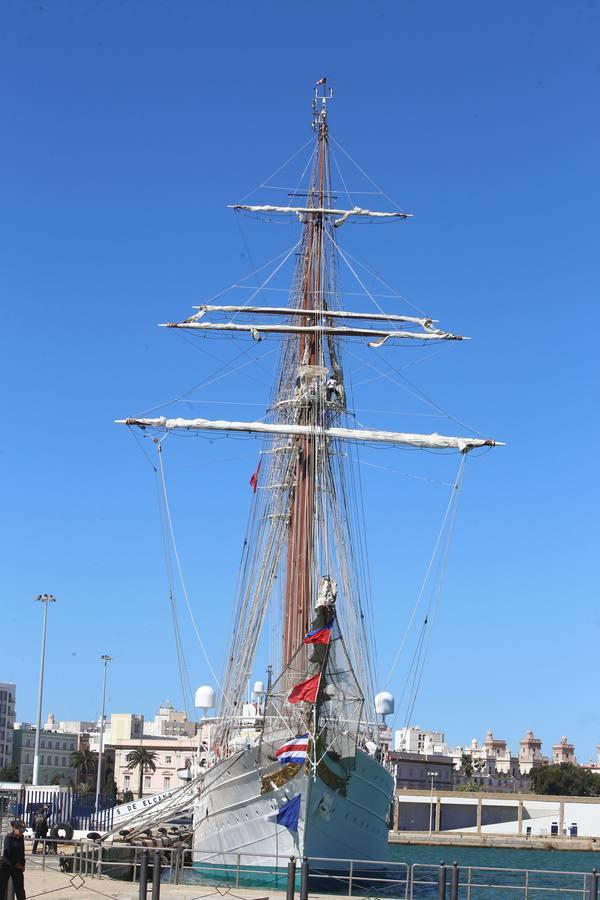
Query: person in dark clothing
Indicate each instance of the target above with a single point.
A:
(12, 864)
(40, 828)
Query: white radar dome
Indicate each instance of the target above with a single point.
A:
(384, 703)
(205, 697)
(259, 688)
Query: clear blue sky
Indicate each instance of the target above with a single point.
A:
(127, 128)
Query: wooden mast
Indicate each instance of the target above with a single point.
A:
(299, 586)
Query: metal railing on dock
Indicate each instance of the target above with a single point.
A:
(311, 876)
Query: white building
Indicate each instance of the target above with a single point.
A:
(8, 693)
(417, 740)
(170, 722)
(119, 727)
(173, 759)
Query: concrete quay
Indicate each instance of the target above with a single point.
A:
(505, 841)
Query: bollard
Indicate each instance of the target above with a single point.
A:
(291, 879)
(442, 882)
(594, 885)
(156, 876)
(143, 894)
(304, 873)
(454, 882)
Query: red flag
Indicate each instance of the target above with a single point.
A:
(254, 478)
(321, 81)
(305, 690)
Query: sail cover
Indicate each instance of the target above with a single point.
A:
(426, 441)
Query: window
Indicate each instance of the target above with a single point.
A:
(127, 782)
(167, 782)
(167, 759)
(147, 781)
(56, 763)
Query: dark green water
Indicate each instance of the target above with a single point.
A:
(498, 857)
(544, 872)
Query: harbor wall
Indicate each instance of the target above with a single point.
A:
(526, 815)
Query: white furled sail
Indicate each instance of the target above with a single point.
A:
(425, 441)
(303, 211)
(430, 335)
(311, 314)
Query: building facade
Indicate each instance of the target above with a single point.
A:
(55, 756)
(530, 753)
(8, 693)
(563, 752)
(417, 772)
(170, 722)
(173, 758)
(415, 739)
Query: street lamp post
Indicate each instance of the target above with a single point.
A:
(45, 599)
(106, 659)
(431, 775)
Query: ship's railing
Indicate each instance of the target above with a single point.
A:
(313, 875)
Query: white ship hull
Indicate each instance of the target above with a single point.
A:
(231, 816)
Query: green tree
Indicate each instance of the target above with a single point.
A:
(84, 761)
(9, 773)
(466, 764)
(469, 787)
(144, 760)
(565, 779)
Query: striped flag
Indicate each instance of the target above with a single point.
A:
(293, 751)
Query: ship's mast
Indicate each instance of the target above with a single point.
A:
(301, 501)
(299, 584)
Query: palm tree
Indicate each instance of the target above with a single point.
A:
(466, 764)
(144, 760)
(84, 761)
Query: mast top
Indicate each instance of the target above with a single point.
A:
(319, 122)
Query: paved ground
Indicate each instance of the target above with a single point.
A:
(58, 885)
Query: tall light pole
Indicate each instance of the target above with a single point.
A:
(431, 775)
(106, 659)
(45, 599)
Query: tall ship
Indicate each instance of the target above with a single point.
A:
(302, 770)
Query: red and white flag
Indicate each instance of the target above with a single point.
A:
(293, 751)
(321, 81)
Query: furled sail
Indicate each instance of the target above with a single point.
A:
(432, 334)
(425, 441)
(311, 313)
(303, 211)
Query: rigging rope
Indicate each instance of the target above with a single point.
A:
(178, 564)
(451, 504)
(432, 615)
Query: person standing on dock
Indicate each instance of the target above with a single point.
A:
(41, 828)
(12, 864)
